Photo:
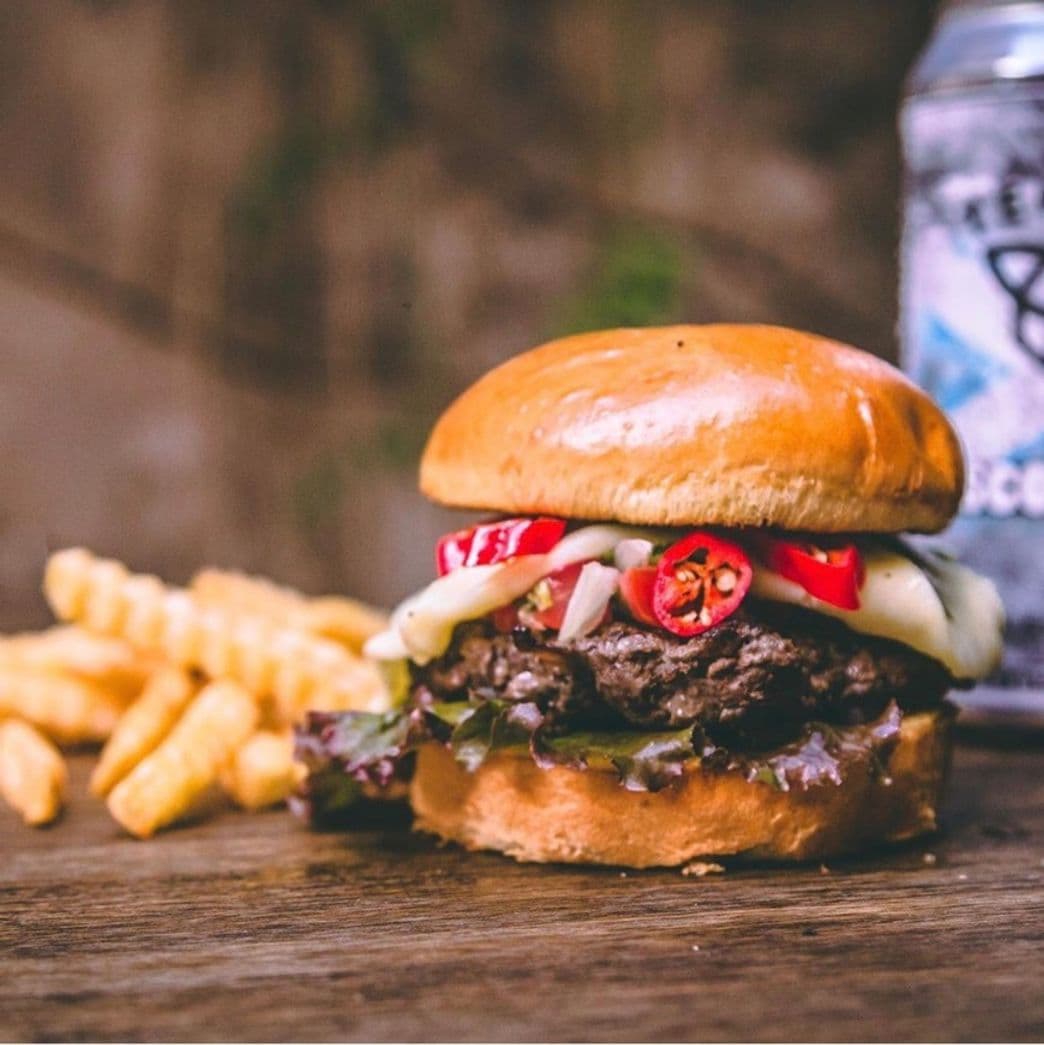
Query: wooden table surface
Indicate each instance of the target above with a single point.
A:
(251, 927)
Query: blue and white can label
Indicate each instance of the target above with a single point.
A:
(973, 284)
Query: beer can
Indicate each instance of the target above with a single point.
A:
(972, 300)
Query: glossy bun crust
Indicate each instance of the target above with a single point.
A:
(700, 425)
(584, 816)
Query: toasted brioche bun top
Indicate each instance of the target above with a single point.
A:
(700, 425)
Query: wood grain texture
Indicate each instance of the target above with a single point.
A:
(250, 927)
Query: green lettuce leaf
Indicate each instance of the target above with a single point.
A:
(492, 726)
(364, 746)
(344, 750)
(643, 761)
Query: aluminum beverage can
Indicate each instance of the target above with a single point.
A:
(972, 300)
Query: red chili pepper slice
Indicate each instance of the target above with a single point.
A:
(487, 543)
(833, 573)
(636, 590)
(700, 581)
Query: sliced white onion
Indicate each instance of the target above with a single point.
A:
(424, 623)
(595, 586)
(934, 605)
(591, 542)
(632, 553)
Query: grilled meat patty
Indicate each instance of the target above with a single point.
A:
(753, 679)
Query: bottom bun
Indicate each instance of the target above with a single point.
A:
(566, 815)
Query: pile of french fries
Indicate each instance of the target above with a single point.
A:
(188, 689)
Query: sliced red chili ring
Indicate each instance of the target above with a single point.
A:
(830, 571)
(488, 543)
(700, 580)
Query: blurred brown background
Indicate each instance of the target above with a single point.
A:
(248, 250)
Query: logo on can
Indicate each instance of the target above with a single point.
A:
(973, 288)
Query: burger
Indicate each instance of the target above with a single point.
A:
(689, 623)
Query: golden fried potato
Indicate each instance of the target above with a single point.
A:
(33, 774)
(344, 620)
(143, 726)
(111, 663)
(300, 670)
(231, 590)
(164, 786)
(69, 710)
(263, 771)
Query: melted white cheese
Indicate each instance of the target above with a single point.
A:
(422, 626)
(939, 608)
(935, 606)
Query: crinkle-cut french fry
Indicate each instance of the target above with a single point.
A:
(69, 710)
(165, 785)
(298, 669)
(33, 774)
(143, 726)
(344, 620)
(336, 617)
(263, 771)
(111, 663)
(240, 591)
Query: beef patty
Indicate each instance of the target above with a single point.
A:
(752, 679)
